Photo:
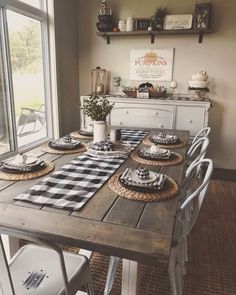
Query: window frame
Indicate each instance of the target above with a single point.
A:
(43, 15)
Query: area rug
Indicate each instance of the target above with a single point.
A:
(212, 251)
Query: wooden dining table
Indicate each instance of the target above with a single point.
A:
(136, 231)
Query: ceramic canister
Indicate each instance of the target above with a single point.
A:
(129, 24)
(122, 25)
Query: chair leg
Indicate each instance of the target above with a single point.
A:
(113, 265)
(172, 274)
(89, 289)
(175, 270)
(186, 249)
(179, 278)
(89, 283)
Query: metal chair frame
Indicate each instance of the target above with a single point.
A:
(202, 133)
(29, 115)
(182, 229)
(5, 270)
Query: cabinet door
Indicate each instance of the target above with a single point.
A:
(133, 115)
(190, 118)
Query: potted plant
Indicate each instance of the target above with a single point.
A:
(160, 16)
(97, 108)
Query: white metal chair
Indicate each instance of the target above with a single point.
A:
(42, 270)
(184, 224)
(31, 120)
(197, 151)
(202, 133)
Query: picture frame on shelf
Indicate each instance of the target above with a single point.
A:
(142, 24)
(202, 16)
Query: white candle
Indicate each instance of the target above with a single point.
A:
(173, 84)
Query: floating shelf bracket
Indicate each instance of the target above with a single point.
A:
(200, 37)
(152, 38)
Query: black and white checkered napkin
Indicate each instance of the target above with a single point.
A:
(75, 183)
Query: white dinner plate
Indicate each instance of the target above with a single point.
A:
(29, 161)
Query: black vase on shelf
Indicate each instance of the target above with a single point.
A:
(105, 18)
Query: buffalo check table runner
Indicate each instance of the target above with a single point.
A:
(76, 182)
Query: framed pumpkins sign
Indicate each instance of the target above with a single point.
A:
(151, 64)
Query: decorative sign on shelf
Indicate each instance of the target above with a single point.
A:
(151, 64)
(178, 21)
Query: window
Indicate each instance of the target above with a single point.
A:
(25, 102)
(4, 128)
(35, 3)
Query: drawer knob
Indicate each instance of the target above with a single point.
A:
(127, 112)
(161, 125)
(121, 123)
(190, 121)
(156, 113)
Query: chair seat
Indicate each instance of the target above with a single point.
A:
(36, 270)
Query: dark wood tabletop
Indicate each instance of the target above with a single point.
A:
(108, 224)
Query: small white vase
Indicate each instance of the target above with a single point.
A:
(99, 131)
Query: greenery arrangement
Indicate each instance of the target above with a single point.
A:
(97, 107)
(159, 17)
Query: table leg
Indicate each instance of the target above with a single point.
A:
(130, 277)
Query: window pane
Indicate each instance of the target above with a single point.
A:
(4, 135)
(35, 3)
(28, 77)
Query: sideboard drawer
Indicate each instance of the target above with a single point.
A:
(133, 116)
(190, 118)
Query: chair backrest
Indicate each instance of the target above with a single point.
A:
(202, 133)
(196, 198)
(197, 151)
(8, 285)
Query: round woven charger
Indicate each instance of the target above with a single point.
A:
(170, 189)
(76, 135)
(177, 159)
(46, 148)
(49, 166)
(166, 146)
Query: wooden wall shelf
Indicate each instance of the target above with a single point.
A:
(152, 34)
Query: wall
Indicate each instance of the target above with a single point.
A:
(66, 34)
(216, 55)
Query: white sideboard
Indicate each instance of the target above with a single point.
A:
(155, 113)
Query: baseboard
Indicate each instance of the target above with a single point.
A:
(224, 164)
(224, 174)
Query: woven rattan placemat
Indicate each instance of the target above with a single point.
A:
(176, 160)
(46, 148)
(182, 143)
(170, 189)
(75, 134)
(49, 166)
